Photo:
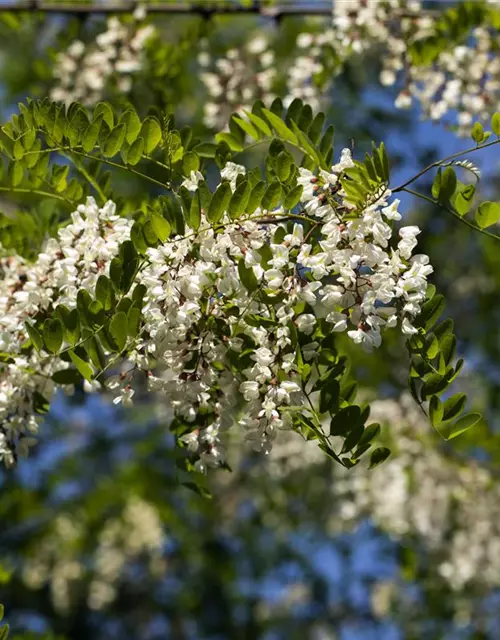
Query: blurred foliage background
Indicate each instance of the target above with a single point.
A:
(97, 539)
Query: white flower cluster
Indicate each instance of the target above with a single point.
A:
(199, 316)
(72, 261)
(358, 26)
(83, 72)
(137, 532)
(198, 312)
(235, 81)
(463, 81)
(305, 78)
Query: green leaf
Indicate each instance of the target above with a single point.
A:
(353, 438)
(135, 151)
(206, 149)
(256, 196)
(487, 213)
(280, 127)
(477, 133)
(448, 185)
(59, 177)
(114, 141)
(495, 124)
(247, 277)
(161, 226)
(83, 367)
(329, 396)
(369, 434)
(378, 456)
(460, 426)
(454, 406)
(239, 199)
(247, 127)
(128, 255)
(294, 110)
(345, 420)
(233, 143)
(53, 335)
(15, 173)
(435, 411)
(67, 376)
(193, 215)
(104, 292)
(308, 148)
(71, 323)
(35, 336)
(118, 328)
(219, 203)
(151, 132)
(138, 294)
(462, 200)
(316, 128)
(133, 320)
(138, 237)
(259, 123)
(284, 163)
(91, 135)
(4, 632)
(94, 350)
(430, 312)
(305, 119)
(116, 272)
(190, 162)
(293, 197)
(272, 196)
(436, 185)
(104, 109)
(133, 123)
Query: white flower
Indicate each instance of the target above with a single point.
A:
(407, 328)
(191, 183)
(391, 211)
(250, 390)
(306, 323)
(263, 356)
(231, 171)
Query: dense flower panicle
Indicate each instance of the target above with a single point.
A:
(82, 72)
(72, 261)
(462, 83)
(235, 81)
(358, 26)
(198, 315)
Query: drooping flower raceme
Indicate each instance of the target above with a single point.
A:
(235, 81)
(83, 72)
(224, 305)
(358, 26)
(459, 84)
(72, 261)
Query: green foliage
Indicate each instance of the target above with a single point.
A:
(451, 28)
(368, 180)
(432, 369)
(487, 214)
